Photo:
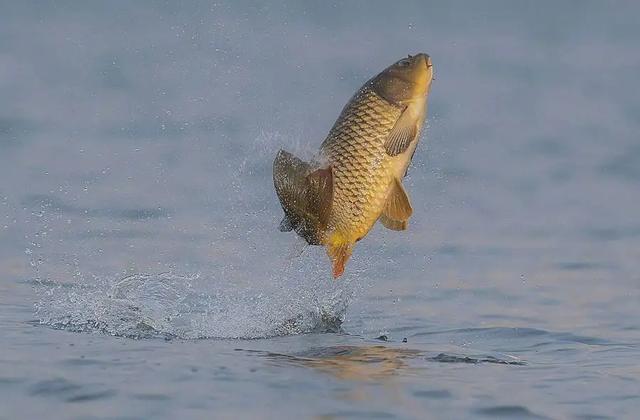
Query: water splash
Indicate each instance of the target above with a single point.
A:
(168, 305)
(256, 288)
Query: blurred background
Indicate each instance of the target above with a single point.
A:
(137, 139)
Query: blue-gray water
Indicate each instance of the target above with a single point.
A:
(142, 273)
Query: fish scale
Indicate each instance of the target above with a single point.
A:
(361, 168)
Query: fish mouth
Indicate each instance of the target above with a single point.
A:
(421, 76)
(425, 57)
(429, 64)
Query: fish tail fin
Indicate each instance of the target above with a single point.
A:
(305, 193)
(339, 251)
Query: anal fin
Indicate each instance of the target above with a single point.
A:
(393, 224)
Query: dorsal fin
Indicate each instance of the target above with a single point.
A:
(305, 194)
(402, 134)
(397, 209)
(321, 193)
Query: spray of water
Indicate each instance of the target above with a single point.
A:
(243, 297)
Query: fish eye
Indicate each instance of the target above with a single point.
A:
(404, 62)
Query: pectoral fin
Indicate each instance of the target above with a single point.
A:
(305, 194)
(402, 134)
(397, 209)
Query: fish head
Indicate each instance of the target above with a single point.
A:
(405, 81)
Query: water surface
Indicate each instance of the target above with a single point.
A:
(142, 273)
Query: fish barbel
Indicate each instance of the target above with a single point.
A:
(357, 177)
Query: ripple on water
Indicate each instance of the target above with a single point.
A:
(450, 358)
(68, 391)
(510, 411)
(434, 394)
(537, 337)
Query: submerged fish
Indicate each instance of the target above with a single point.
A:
(357, 177)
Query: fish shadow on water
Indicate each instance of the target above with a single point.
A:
(371, 362)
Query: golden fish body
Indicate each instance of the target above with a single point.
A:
(357, 181)
(363, 172)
